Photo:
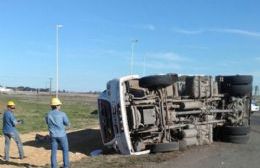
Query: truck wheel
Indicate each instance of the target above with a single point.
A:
(238, 79)
(157, 81)
(240, 139)
(239, 85)
(236, 90)
(240, 90)
(164, 147)
(235, 130)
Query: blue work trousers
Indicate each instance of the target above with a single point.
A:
(16, 138)
(63, 142)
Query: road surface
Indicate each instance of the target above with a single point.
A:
(221, 155)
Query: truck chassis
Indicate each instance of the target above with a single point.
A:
(162, 113)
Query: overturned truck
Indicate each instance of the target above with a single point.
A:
(163, 113)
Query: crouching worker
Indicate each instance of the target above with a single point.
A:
(9, 130)
(57, 121)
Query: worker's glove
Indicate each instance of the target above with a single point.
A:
(20, 121)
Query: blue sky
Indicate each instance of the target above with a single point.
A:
(185, 37)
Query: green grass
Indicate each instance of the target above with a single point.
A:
(32, 108)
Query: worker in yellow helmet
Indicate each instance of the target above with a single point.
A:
(57, 121)
(9, 130)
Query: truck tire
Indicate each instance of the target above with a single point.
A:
(240, 90)
(240, 139)
(235, 130)
(157, 81)
(239, 79)
(165, 147)
(238, 85)
(236, 79)
(236, 90)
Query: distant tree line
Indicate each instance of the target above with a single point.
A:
(93, 92)
(25, 88)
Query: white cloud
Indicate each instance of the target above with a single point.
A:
(166, 56)
(188, 32)
(220, 30)
(229, 63)
(195, 47)
(163, 60)
(238, 31)
(152, 64)
(162, 65)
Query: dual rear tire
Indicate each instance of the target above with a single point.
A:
(238, 85)
(235, 134)
(164, 147)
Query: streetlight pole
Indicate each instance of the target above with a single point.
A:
(50, 90)
(132, 56)
(57, 58)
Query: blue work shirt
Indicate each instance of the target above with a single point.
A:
(9, 122)
(56, 121)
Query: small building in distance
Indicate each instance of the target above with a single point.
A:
(5, 90)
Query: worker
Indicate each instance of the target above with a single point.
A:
(57, 121)
(10, 131)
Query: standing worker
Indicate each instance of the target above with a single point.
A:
(57, 121)
(9, 130)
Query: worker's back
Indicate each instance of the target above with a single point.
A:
(57, 121)
(8, 122)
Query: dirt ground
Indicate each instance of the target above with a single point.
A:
(81, 143)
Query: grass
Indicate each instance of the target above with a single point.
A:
(32, 108)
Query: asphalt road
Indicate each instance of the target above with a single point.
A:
(221, 155)
(216, 155)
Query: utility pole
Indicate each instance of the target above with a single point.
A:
(132, 56)
(256, 90)
(57, 59)
(50, 90)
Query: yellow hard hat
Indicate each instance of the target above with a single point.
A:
(10, 103)
(55, 101)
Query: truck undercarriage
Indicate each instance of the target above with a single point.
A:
(166, 112)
